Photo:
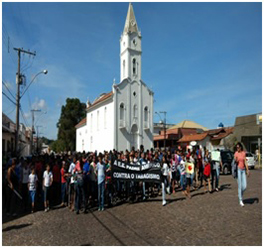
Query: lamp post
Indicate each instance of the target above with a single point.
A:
(18, 98)
(164, 124)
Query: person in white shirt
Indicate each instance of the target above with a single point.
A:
(24, 183)
(32, 186)
(71, 192)
(165, 176)
(47, 182)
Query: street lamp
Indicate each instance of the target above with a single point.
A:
(18, 97)
(164, 124)
(44, 72)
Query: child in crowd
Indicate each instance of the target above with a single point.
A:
(165, 179)
(32, 186)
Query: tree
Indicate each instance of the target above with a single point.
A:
(71, 114)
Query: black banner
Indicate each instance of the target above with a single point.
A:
(148, 172)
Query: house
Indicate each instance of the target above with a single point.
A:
(8, 136)
(122, 118)
(248, 130)
(176, 132)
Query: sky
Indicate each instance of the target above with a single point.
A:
(202, 60)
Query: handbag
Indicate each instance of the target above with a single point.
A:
(234, 168)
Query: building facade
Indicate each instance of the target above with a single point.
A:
(248, 130)
(122, 118)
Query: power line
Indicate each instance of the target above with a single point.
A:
(24, 118)
(8, 97)
(8, 90)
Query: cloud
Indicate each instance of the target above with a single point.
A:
(39, 104)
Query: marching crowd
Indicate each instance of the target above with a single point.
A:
(84, 180)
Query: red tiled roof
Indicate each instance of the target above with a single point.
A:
(100, 99)
(193, 137)
(81, 123)
(170, 131)
(168, 137)
(223, 134)
(188, 131)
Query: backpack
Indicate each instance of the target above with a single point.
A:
(234, 168)
(207, 169)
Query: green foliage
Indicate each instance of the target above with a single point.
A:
(71, 114)
(58, 146)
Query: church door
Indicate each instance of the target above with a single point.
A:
(134, 136)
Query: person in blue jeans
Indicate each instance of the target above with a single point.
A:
(100, 169)
(242, 171)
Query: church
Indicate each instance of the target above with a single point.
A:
(122, 118)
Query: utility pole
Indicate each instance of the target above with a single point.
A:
(164, 122)
(32, 131)
(38, 139)
(18, 82)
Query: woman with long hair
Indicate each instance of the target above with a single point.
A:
(242, 170)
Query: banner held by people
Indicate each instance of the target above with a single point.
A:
(149, 172)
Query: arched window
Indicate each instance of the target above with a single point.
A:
(135, 111)
(91, 123)
(124, 67)
(134, 66)
(146, 114)
(122, 111)
(105, 117)
(98, 122)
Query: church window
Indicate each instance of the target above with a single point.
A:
(134, 66)
(124, 67)
(105, 117)
(134, 93)
(98, 122)
(135, 111)
(91, 124)
(122, 111)
(146, 114)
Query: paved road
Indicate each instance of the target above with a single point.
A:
(206, 219)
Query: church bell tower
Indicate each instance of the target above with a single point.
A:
(130, 48)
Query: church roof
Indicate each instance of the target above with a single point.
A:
(189, 124)
(131, 23)
(101, 98)
(81, 123)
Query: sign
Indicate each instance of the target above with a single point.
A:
(216, 156)
(189, 168)
(148, 172)
(193, 143)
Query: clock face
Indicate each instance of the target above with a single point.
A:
(133, 23)
(134, 42)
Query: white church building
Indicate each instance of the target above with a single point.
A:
(122, 118)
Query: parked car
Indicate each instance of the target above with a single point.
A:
(250, 160)
(227, 158)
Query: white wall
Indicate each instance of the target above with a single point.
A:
(81, 139)
(100, 134)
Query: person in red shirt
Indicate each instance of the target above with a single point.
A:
(56, 183)
(63, 183)
(242, 170)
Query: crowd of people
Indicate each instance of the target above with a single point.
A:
(82, 181)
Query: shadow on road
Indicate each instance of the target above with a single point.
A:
(251, 200)
(225, 186)
(16, 227)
